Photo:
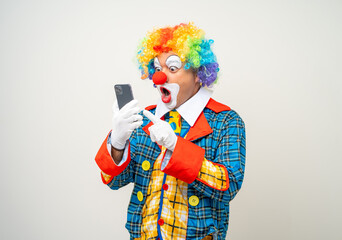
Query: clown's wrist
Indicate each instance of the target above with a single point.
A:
(118, 144)
(117, 155)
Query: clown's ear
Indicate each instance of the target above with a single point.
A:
(197, 79)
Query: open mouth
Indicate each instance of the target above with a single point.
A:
(166, 95)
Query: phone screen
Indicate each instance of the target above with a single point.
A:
(123, 94)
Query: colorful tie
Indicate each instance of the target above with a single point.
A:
(175, 120)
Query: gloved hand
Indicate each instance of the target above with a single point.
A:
(161, 132)
(124, 122)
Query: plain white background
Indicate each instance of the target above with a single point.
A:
(280, 67)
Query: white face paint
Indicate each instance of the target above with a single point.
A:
(173, 89)
(157, 65)
(169, 91)
(173, 61)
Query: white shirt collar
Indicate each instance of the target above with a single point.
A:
(191, 109)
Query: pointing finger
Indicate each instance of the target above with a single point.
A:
(152, 135)
(150, 116)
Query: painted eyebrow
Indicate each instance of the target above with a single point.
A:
(175, 60)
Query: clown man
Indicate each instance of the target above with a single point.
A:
(185, 155)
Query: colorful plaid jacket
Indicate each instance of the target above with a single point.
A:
(218, 136)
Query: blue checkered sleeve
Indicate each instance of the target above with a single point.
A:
(127, 175)
(230, 151)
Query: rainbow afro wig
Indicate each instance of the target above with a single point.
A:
(185, 40)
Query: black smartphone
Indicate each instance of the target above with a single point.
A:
(123, 94)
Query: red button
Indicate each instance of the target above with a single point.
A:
(165, 187)
(161, 222)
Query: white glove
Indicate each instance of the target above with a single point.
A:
(161, 132)
(124, 122)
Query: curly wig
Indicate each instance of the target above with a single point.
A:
(185, 40)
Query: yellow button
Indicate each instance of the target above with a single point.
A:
(193, 200)
(140, 196)
(146, 165)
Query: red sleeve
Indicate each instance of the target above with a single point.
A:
(186, 161)
(106, 163)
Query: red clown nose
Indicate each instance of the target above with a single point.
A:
(159, 78)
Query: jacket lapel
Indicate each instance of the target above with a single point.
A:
(200, 129)
(146, 128)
